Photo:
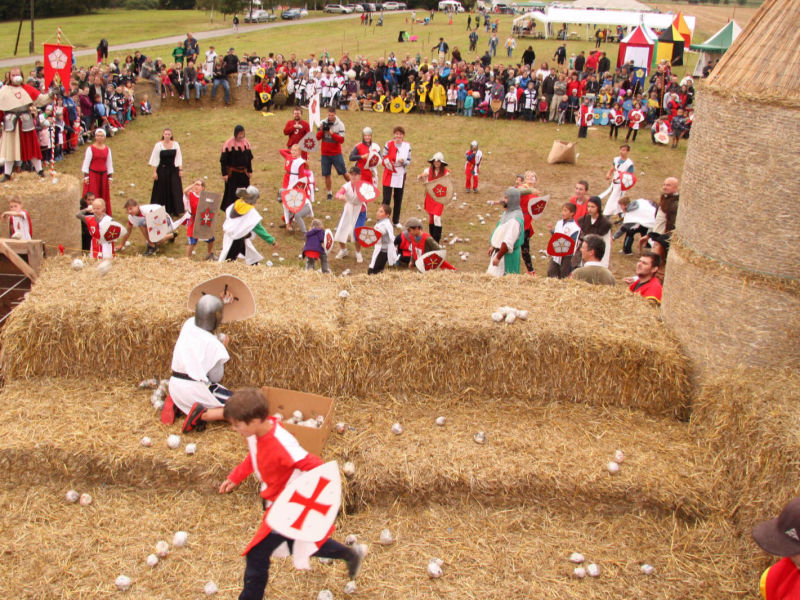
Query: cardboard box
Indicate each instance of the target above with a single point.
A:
(287, 401)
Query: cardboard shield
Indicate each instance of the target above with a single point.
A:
(328, 242)
(589, 119)
(307, 507)
(536, 206)
(295, 198)
(408, 106)
(388, 164)
(314, 111)
(430, 261)
(158, 224)
(112, 231)
(374, 158)
(205, 217)
(397, 105)
(241, 304)
(603, 116)
(309, 143)
(441, 189)
(264, 97)
(379, 106)
(619, 119)
(560, 245)
(662, 137)
(366, 191)
(367, 236)
(626, 180)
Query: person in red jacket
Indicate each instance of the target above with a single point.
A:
(296, 129)
(274, 456)
(781, 536)
(331, 133)
(646, 283)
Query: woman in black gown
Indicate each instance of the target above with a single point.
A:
(167, 163)
(236, 161)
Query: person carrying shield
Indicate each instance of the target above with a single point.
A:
(561, 266)
(507, 237)
(384, 252)
(354, 214)
(191, 200)
(296, 172)
(413, 242)
(275, 456)
(396, 159)
(474, 156)
(361, 154)
(241, 222)
(621, 164)
(97, 221)
(438, 168)
(314, 247)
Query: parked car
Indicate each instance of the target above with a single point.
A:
(260, 16)
(291, 13)
(337, 8)
(356, 8)
(369, 7)
(391, 6)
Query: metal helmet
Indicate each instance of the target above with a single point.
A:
(208, 312)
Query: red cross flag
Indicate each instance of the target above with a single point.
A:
(307, 507)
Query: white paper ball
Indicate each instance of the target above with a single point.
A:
(162, 549)
(511, 317)
(464, 257)
(72, 496)
(646, 569)
(579, 572)
(344, 294)
(576, 557)
(351, 539)
(151, 560)
(77, 264)
(210, 588)
(104, 267)
(350, 588)
(85, 500)
(434, 570)
(480, 437)
(397, 429)
(619, 456)
(386, 537)
(341, 427)
(522, 315)
(179, 539)
(325, 595)
(297, 415)
(147, 442)
(173, 441)
(327, 217)
(593, 570)
(349, 469)
(497, 317)
(269, 263)
(191, 448)
(123, 583)
(612, 467)
(440, 421)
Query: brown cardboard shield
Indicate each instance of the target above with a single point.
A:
(206, 215)
(441, 189)
(239, 304)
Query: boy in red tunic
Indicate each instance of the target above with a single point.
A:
(781, 536)
(275, 455)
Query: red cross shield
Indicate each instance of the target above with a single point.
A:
(366, 190)
(560, 245)
(295, 198)
(536, 206)
(626, 180)
(206, 217)
(430, 261)
(309, 143)
(374, 159)
(328, 244)
(307, 507)
(113, 232)
(388, 164)
(367, 236)
(619, 119)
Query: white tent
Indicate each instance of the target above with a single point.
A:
(612, 5)
(629, 19)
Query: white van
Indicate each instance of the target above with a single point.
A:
(451, 6)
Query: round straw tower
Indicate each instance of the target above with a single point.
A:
(732, 284)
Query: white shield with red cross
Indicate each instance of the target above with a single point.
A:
(112, 231)
(309, 143)
(626, 180)
(307, 507)
(158, 224)
(328, 242)
(430, 261)
(441, 189)
(374, 157)
(366, 191)
(295, 198)
(207, 209)
(388, 164)
(560, 245)
(367, 236)
(536, 206)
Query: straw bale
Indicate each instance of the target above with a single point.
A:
(54, 549)
(52, 204)
(735, 205)
(773, 34)
(725, 320)
(550, 451)
(746, 420)
(398, 333)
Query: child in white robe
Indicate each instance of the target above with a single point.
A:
(385, 251)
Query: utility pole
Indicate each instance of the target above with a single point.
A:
(31, 48)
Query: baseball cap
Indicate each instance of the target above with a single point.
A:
(781, 535)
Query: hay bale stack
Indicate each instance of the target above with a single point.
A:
(736, 223)
(399, 333)
(52, 205)
(747, 422)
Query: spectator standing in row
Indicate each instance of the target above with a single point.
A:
(191, 48)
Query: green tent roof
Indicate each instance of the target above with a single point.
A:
(720, 41)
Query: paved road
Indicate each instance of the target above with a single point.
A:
(175, 39)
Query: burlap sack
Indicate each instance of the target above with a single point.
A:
(562, 152)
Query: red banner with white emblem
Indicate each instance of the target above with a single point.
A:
(57, 61)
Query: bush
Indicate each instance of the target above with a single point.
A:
(141, 4)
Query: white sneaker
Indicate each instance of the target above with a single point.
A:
(359, 258)
(342, 253)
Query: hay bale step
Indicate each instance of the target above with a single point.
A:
(439, 340)
(67, 551)
(535, 448)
